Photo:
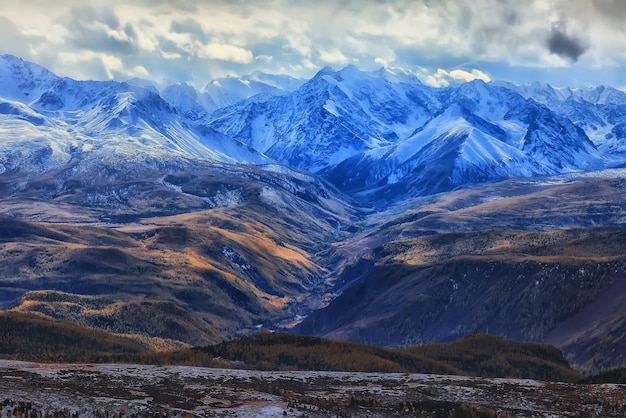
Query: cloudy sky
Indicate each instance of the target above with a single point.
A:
(563, 42)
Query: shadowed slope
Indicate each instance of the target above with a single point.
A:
(30, 337)
(522, 285)
(474, 355)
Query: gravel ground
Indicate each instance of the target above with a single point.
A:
(94, 390)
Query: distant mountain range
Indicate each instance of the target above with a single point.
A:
(341, 205)
(365, 131)
(372, 134)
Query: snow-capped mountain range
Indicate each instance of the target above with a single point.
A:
(378, 133)
(47, 121)
(227, 91)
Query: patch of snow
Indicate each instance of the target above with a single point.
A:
(331, 107)
(271, 197)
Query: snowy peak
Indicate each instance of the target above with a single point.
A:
(364, 129)
(602, 95)
(392, 75)
(130, 110)
(329, 118)
(282, 82)
(554, 96)
(23, 81)
(488, 101)
(21, 111)
(599, 111)
(375, 133)
(227, 91)
(398, 75)
(188, 101)
(556, 142)
(147, 116)
(47, 121)
(453, 148)
(542, 93)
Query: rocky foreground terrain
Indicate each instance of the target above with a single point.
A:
(38, 390)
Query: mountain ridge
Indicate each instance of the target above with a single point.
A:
(357, 129)
(261, 213)
(30, 334)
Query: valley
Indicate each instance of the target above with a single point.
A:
(356, 205)
(520, 259)
(209, 271)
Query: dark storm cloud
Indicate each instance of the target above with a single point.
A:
(100, 30)
(82, 16)
(483, 28)
(190, 26)
(560, 43)
(168, 46)
(612, 9)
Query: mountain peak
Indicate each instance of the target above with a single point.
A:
(15, 64)
(24, 81)
(398, 75)
(350, 68)
(385, 117)
(182, 91)
(324, 71)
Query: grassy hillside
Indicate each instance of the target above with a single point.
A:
(565, 287)
(616, 376)
(202, 253)
(160, 324)
(280, 351)
(33, 338)
(196, 277)
(534, 205)
(242, 247)
(488, 355)
(30, 337)
(476, 355)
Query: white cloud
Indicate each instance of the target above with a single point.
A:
(182, 41)
(112, 64)
(443, 78)
(54, 33)
(112, 67)
(464, 76)
(73, 58)
(118, 34)
(437, 79)
(145, 41)
(225, 52)
(140, 71)
(381, 61)
(171, 55)
(179, 37)
(333, 57)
